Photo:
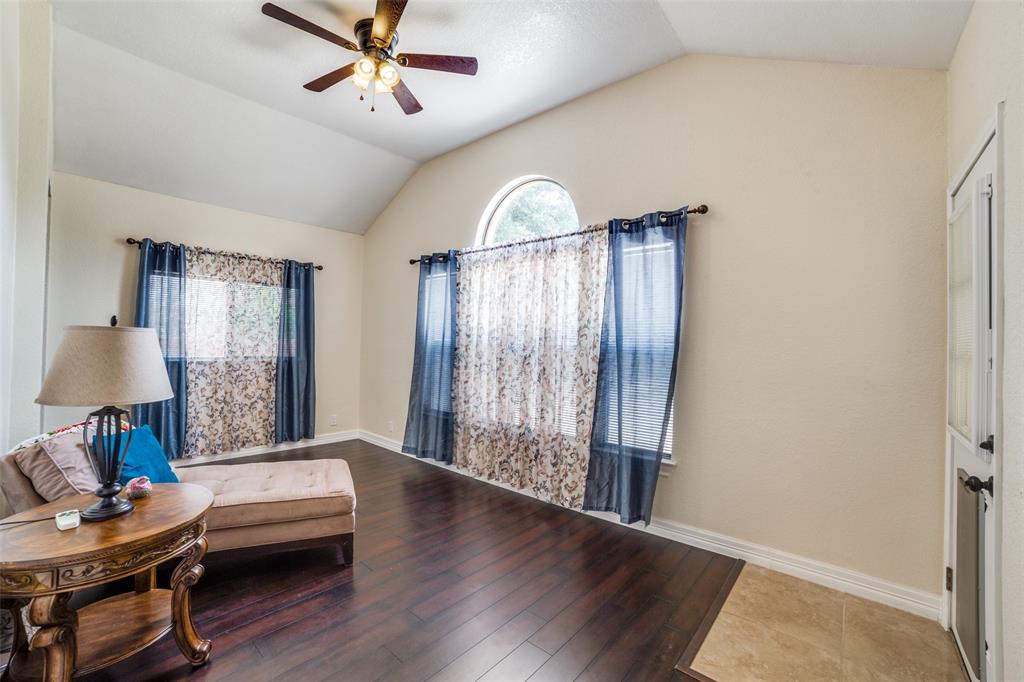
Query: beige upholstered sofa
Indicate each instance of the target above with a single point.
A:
(270, 503)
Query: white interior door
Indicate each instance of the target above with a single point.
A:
(971, 430)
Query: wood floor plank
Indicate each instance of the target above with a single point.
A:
(615, 660)
(567, 623)
(485, 655)
(518, 665)
(454, 579)
(487, 620)
(691, 610)
(603, 629)
(686, 574)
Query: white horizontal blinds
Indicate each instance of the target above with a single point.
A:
(289, 309)
(164, 312)
(436, 313)
(648, 343)
(231, 319)
(961, 342)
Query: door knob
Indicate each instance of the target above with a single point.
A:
(975, 484)
(988, 444)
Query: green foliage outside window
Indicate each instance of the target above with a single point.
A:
(535, 209)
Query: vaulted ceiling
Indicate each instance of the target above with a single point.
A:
(203, 100)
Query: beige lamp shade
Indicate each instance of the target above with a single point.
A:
(106, 366)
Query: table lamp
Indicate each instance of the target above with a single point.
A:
(108, 366)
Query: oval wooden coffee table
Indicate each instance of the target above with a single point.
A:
(40, 568)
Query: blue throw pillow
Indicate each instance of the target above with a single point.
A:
(145, 457)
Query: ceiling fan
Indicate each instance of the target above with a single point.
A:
(377, 40)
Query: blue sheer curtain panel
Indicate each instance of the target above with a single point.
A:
(637, 368)
(429, 427)
(295, 407)
(160, 303)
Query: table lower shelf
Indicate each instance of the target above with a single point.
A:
(109, 631)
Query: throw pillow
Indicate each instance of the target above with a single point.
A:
(145, 457)
(58, 467)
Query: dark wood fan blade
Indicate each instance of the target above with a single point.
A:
(329, 79)
(406, 100)
(385, 20)
(281, 14)
(439, 62)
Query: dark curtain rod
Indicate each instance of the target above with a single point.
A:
(137, 242)
(702, 209)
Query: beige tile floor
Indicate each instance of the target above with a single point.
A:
(776, 627)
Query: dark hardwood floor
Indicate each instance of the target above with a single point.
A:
(454, 579)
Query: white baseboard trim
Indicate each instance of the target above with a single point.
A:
(386, 443)
(858, 584)
(323, 439)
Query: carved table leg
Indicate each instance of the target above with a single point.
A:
(145, 581)
(51, 628)
(13, 630)
(188, 572)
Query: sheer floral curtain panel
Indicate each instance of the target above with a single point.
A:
(526, 360)
(233, 307)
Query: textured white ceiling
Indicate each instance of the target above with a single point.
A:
(533, 55)
(920, 34)
(204, 100)
(125, 120)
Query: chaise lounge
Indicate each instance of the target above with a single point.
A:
(259, 504)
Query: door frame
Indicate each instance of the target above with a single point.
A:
(992, 134)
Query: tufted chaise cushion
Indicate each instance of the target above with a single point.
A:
(273, 492)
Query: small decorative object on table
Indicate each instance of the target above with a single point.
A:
(106, 366)
(138, 488)
(66, 520)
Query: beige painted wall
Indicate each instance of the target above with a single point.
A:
(93, 273)
(10, 26)
(809, 408)
(988, 67)
(35, 159)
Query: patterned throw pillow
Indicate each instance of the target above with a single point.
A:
(58, 466)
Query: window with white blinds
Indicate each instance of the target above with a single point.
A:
(222, 319)
(165, 312)
(648, 333)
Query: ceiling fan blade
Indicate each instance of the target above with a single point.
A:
(281, 14)
(385, 20)
(329, 79)
(406, 100)
(439, 62)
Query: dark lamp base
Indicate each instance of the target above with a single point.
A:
(107, 508)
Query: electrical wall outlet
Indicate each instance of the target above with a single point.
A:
(332, 419)
(391, 426)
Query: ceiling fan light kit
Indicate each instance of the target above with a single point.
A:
(377, 39)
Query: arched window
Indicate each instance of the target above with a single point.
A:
(530, 206)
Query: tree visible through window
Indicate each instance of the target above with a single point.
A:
(534, 208)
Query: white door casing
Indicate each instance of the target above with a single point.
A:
(972, 430)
